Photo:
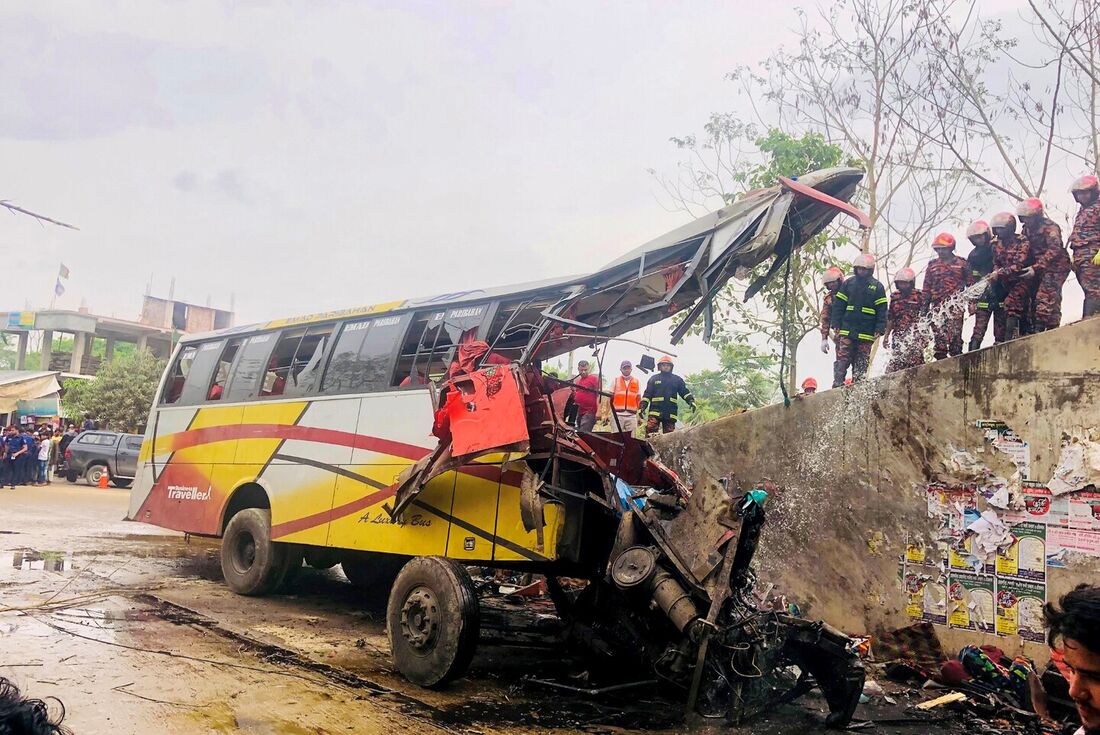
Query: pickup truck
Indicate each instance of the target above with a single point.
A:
(92, 453)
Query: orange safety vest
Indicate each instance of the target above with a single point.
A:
(625, 394)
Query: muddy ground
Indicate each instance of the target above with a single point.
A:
(129, 625)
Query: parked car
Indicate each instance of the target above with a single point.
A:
(92, 453)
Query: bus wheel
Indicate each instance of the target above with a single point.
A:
(433, 621)
(251, 563)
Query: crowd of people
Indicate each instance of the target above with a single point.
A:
(31, 455)
(1013, 277)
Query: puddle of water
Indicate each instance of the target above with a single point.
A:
(31, 560)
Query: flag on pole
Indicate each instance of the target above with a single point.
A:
(59, 288)
(63, 272)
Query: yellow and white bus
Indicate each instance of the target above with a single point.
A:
(286, 439)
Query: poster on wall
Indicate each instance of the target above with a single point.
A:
(1007, 441)
(1039, 505)
(1061, 541)
(970, 603)
(926, 594)
(1027, 557)
(1020, 609)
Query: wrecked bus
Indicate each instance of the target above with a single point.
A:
(310, 439)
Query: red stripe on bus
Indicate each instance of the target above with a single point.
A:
(210, 434)
(327, 516)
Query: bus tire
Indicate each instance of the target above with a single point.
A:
(433, 621)
(373, 573)
(251, 563)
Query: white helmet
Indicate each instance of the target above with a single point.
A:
(864, 260)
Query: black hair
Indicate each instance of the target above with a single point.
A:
(19, 715)
(1078, 619)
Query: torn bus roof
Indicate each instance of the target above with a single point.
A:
(680, 271)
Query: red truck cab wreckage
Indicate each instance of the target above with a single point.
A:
(670, 583)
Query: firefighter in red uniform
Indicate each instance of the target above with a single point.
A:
(859, 316)
(990, 303)
(944, 280)
(903, 335)
(1012, 269)
(1085, 241)
(1051, 263)
(832, 280)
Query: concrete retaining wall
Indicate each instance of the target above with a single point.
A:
(854, 465)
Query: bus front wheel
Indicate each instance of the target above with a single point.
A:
(251, 563)
(433, 621)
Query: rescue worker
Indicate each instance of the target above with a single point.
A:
(1085, 241)
(903, 336)
(659, 403)
(944, 280)
(809, 387)
(859, 316)
(1050, 261)
(832, 279)
(990, 302)
(626, 397)
(1012, 269)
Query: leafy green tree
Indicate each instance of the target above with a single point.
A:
(744, 379)
(120, 395)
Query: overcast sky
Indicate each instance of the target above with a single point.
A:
(311, 156)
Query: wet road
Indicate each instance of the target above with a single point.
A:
(129, 625)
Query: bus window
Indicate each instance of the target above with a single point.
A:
(197, 384)
(363, 354)
(305, 366)
(429, 346)
(221, 372)
(278, 366)
(173, 389)
(245, 379)
(521, 317)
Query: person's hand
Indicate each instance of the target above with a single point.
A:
(1027, 272)
(825, 345)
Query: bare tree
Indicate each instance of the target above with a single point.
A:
(850, 79)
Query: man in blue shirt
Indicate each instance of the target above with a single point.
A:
(27, 459)
(14, 448)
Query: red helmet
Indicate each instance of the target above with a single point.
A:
(809, 383)
(1086, 182)
(978, 227)
(1031, 207)
(664, 359)
(1002, 219)
(944, 240)
(905, 274)
(832, 274)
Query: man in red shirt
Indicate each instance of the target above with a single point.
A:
(587, 397)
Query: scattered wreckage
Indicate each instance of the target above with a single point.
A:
(670, 582)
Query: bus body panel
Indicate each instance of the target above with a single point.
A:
(328, 465)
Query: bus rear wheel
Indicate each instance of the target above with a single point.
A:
(251, 563)
(433, 621)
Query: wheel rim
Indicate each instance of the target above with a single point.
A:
(96, 473)
(420, 619)
(244, 553)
